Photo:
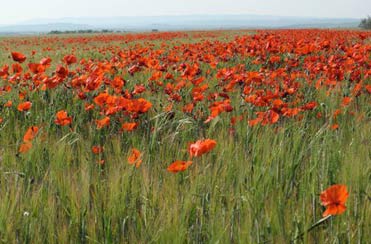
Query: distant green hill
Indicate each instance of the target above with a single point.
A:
(181, 22)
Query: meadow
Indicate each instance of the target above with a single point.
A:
(185, 137)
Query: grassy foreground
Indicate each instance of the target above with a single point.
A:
(260, 184)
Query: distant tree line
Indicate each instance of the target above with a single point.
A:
(89, 31)
(366, 23)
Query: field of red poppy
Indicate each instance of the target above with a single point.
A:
(202, 137)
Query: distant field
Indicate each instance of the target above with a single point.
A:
(185, 137)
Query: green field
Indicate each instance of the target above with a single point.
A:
(260, 184)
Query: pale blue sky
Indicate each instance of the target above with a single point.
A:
(14, 11)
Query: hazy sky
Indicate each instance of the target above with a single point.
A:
(14, 11)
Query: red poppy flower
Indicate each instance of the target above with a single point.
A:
(178, 166)
(25, 147)
(17, 68)
(140, 105)
(4, 71)
(101, 99)
(188, 108)
(368, 88)
(88, 106)
(346, 101)
(334, 126)
(36, 68)
(334, 198)
(30, 133)
(139, 89)
(135, 157)
(97, 149)
(18, 57)
(310, 106)
(69, 59)
(62, 118)
(24, 106)
(201, 147)
(129, 126)
(103, 122)
(61, 71)
(8, 104)
(46, 61)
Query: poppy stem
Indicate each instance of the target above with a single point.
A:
(319, 222)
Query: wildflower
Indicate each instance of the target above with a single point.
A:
(62, 118)
(129, 126)
(135, 157)
(201, 147)
(334, 198)
(30, 133)
(103, 122)
(24, 106)
(178, 166)
(18, 57)
(97, 149)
